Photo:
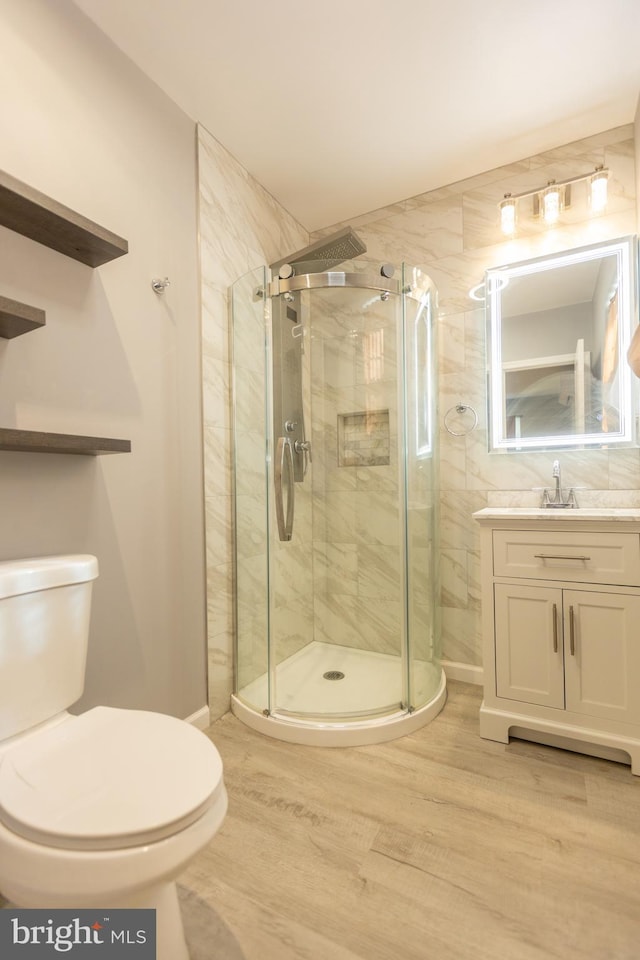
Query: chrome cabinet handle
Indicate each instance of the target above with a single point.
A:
(555, 628)
(558, 556)
(284, 457)
(572, 633)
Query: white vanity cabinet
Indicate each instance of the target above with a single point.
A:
(561, 625)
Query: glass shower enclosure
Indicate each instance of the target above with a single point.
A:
(336, 626)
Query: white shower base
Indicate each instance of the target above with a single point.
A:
(363, 707)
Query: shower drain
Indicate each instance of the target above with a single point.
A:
(333, 675)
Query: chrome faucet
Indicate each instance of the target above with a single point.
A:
(558, 500)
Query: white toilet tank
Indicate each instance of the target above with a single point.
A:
(45, 604)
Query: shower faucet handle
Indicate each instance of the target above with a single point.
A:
(304, 447)
(290, 426)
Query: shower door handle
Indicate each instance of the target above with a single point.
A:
(284, 464)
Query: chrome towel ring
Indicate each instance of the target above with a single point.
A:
(460, 409)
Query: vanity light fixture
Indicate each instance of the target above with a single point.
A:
(508, 215)
(549, 201)
(552, 201)
(598, 184)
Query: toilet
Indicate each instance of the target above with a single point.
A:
(100, 809)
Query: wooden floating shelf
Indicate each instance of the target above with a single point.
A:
(34, 441)
(17, 318)
(34, 215)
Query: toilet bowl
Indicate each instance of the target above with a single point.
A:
(101, 809)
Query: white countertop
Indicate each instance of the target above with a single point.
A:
(553, 514)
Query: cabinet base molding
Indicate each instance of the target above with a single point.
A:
(496, 724)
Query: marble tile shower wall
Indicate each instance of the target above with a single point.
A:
(356, 522)
(292, 568)
(242, 227)
(288, 579)
(453, 233)
(251, 586)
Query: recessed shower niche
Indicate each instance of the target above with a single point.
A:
(363, 439)
(337, 637)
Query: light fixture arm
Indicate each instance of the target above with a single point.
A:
(599, 171)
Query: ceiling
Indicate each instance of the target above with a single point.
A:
(343, 106)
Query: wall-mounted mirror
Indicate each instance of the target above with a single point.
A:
(558, 332)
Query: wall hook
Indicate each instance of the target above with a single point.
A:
(159, 286)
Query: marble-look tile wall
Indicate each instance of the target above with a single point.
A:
(356, 531)
(358, 544)
(242, 228)
(247, 326)
(453, 233)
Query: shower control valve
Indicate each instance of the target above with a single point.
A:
(303, 446)
(290, 426)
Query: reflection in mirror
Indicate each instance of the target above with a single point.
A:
(559, 328)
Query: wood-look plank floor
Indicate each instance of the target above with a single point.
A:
(437, 846)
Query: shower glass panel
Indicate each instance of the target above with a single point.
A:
(423, 625)
(250, 388)
(334, 463)
(346, 610)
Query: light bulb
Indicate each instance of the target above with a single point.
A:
(598, 184)
(551, 204)
(508, 215)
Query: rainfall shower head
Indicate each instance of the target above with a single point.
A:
(326, 253)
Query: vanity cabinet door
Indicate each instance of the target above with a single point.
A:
(602, 654)
(528, 635)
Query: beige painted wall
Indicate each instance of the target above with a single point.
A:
(83, 125)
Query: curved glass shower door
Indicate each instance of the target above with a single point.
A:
(337, 587)
(335, 534)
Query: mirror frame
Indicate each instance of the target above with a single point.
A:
(496, 279)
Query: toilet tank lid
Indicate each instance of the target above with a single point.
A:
(41, 573)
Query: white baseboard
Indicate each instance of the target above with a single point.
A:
(200, 718)
(466, 672)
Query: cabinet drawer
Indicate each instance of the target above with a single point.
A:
(577, 557)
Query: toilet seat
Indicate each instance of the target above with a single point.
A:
(108, 779)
